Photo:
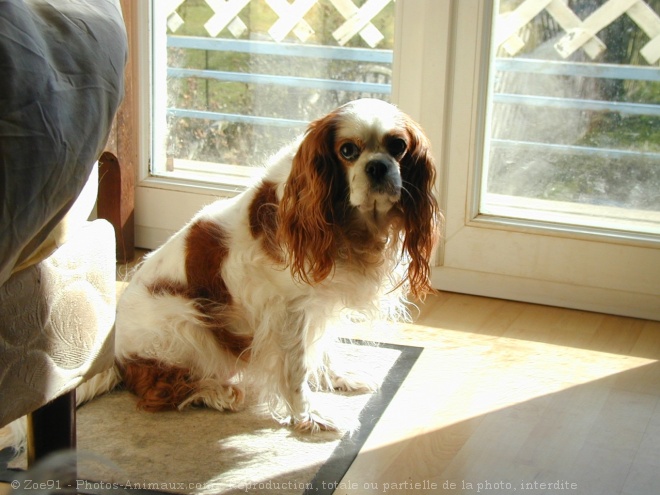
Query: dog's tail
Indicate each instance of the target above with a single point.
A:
(97, 385)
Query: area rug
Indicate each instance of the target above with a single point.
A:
(202, 451)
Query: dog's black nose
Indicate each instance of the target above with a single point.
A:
(377, 170)
(383, 175)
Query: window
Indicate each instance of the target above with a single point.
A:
(236, 80)
(574, 119)
(534, 211)
(509, 232)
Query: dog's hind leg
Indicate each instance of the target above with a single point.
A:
(213, 394)
(161, 386)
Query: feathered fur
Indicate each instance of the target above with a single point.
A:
(247, 290)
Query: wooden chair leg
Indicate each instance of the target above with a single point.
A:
(52, 427)
(116, 203)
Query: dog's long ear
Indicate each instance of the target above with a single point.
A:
(308, 220)
(421, 213)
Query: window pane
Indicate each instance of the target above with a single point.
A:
(574, 123)
(243, 77)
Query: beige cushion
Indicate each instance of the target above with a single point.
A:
(56, 320)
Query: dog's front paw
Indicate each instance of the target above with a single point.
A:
(311, 422)
(352, 383)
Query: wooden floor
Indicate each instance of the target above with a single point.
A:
(510, 397)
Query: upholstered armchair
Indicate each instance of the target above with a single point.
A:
(63, 65)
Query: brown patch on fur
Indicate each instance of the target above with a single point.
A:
(206, 250)
(263, 219)
(207, 247)
(160, 387)
(219, 323)
(313, 205)
(420, 209)
(163, 287)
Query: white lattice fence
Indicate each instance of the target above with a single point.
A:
(291, 19)
(580, 34)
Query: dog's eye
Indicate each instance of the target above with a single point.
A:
(396, 146)
(349, 151)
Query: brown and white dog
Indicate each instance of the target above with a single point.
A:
(245, 292)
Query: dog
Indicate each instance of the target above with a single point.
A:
(247, 291)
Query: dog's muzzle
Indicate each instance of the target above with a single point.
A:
(384, 176)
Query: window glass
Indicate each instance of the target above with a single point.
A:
(574, 114)
(234, 80)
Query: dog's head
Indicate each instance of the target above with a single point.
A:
(366, 162)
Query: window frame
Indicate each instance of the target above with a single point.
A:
(439, 79)
(536, 262)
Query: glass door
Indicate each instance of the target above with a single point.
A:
(552, 154)
(574, 115)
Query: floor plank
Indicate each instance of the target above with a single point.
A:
(510, 395)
